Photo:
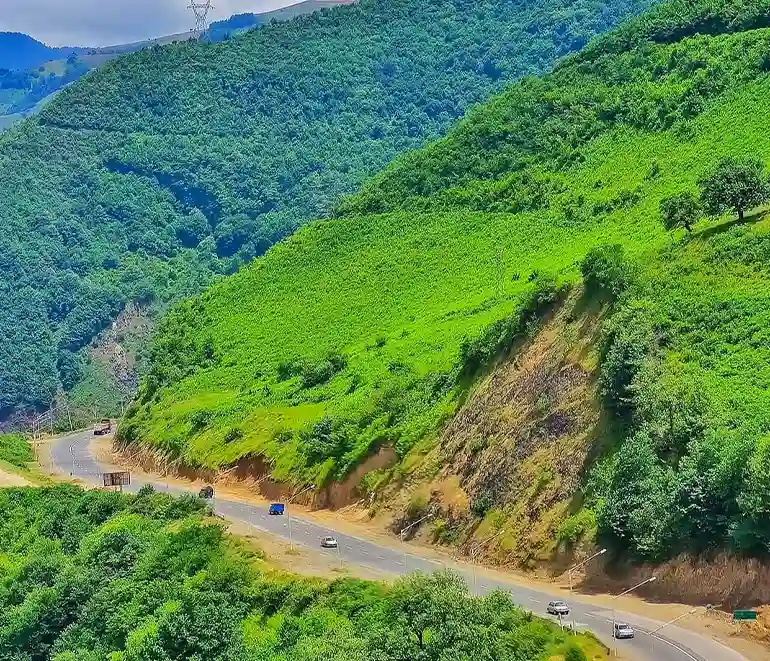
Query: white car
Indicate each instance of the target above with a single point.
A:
(329, 543)
(623, 630)
(557, 608)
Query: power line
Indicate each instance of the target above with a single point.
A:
(201, 11)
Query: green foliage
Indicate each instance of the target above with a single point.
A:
(680, 210)
(606, 271)
(576, 527)
(574, 653)
(442, 253)
(15, 450)
(168, 167)
(481, 504)
(95, 575)
(736, 184)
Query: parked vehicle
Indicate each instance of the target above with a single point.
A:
(206, 492)
(276, 509)
(557, 608)
(102, 428)
(623, 630)
(329, 543)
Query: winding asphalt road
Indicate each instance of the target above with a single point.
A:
(71, 455)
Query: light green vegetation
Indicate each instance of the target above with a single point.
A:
(88, 576)
(146, 179)
(15, 450)
(366, 330)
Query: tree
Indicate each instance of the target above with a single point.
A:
(736, 183)
(680, 210)
(606, 271)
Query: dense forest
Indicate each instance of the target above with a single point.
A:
(86, 576)
(170, 166)
(630, 172)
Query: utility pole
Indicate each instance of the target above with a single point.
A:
(201, 10)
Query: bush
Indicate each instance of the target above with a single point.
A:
(606, 271)
(629, 341)
(574, 528)
(233, 435)
(316, 374)
(574, 653)
(481, 504)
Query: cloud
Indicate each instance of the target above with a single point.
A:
(110, 22)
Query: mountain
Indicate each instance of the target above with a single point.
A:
(24, 86)
(504, 314)
(20, 51)
(167, 167)
(239, 23)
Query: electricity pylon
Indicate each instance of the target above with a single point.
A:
(201, 10)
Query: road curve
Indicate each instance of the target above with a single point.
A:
(71, 455)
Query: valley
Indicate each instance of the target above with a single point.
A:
(458, 310)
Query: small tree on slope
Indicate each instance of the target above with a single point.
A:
(736, 184)
(681, 210)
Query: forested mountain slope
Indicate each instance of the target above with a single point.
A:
(368, 330)
(169, 166)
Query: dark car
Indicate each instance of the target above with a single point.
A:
(206, 492)
(276, 509)
(103, 428)
(557, 608)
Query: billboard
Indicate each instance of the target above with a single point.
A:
(121, 479)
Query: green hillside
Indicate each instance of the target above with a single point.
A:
(91, 575)
(146, 179)
(367, 330)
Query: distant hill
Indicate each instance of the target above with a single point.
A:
(241, 22)
(24, 86)
(20, 51)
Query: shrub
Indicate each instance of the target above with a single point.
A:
(233, 435)
(417, 507)
(316, 374)
(574, 653)
(574, 528)
(629, 341)
(606, 271)
(481, 504)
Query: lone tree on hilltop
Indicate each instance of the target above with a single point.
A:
(680, 210)
(737, 184)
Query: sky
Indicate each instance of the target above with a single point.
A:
(111, 22)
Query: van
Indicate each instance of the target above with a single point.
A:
(276, 509)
